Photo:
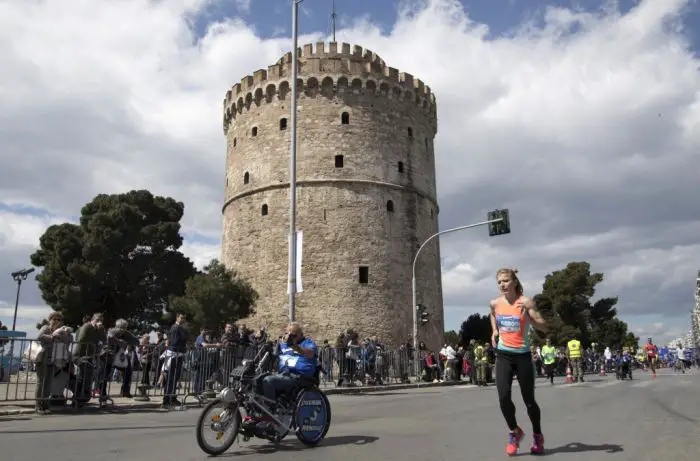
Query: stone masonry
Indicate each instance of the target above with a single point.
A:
(366, 194)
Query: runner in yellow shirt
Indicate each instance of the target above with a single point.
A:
(549, 355)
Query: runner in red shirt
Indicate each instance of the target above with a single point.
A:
(652, 353)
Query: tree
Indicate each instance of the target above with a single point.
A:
(215, 297)
(477, 327)
(451, 337)
(558, 331)
(565, 303)
(631, 341)
(122, 259)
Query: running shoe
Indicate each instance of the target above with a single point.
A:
(537, 447)
(514, 439)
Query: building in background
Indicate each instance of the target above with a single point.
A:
(366, 193)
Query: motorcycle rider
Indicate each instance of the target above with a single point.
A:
(298, 357)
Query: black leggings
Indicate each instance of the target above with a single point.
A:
(508, 364)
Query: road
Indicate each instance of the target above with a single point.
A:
(602, 419)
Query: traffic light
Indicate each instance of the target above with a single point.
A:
(423, 315)
(501, 227)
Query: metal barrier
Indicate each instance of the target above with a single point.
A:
(78, 373)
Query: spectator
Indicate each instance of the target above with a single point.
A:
(147, 359)
(118, 355)
(175, 357)
(90, 335)
(55, 341)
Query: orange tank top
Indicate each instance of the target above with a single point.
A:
(513, 327)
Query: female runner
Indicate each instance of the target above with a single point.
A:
(511, 316)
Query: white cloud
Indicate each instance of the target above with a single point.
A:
(25, 314)
(590, 138)
(200, 253)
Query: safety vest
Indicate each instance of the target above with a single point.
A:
(574, 348)
(548, 354)
(479, 354)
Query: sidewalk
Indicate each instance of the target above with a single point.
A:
(26, 407)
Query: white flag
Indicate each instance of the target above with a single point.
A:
(299, 252)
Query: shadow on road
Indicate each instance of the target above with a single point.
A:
(576, 447)
(294, 445)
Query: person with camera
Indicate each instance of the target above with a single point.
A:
(298, 357)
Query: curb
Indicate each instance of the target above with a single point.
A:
(335, 391)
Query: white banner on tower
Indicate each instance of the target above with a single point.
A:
(299, 247)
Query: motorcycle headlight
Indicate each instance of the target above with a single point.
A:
(227, 395)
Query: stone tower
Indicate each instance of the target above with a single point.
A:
(366, 193)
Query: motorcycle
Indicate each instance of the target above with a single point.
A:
(624, 370)
(307, 412)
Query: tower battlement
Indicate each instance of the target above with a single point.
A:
(328, 69)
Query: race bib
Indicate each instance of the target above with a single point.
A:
(508, 323)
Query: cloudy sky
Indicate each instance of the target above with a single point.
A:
(584, 123)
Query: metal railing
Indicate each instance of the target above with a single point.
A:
(77, 374)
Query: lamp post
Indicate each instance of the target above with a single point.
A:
(18, 276)
(292, 270)
(501, 216)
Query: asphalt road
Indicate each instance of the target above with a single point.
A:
(602, 419)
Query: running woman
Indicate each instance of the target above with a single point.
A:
(512, 314)
(652, 352)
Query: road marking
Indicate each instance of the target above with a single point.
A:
(642, 384)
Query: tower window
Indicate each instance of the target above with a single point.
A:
(283, 124)
(426, 142)
(339, 161)
(254, 131)
(234, 142)
(263, 211)
(400, 166)
(389, 206)
(363, 275)
(410, 132)
(432, 213)
(246, 178)
(345, 118)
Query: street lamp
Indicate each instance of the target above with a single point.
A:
(292, 269)
(499, 224)
(19, 277)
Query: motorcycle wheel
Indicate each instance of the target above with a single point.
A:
(206, 420)
(299, 434)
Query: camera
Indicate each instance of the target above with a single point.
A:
(292, 339)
